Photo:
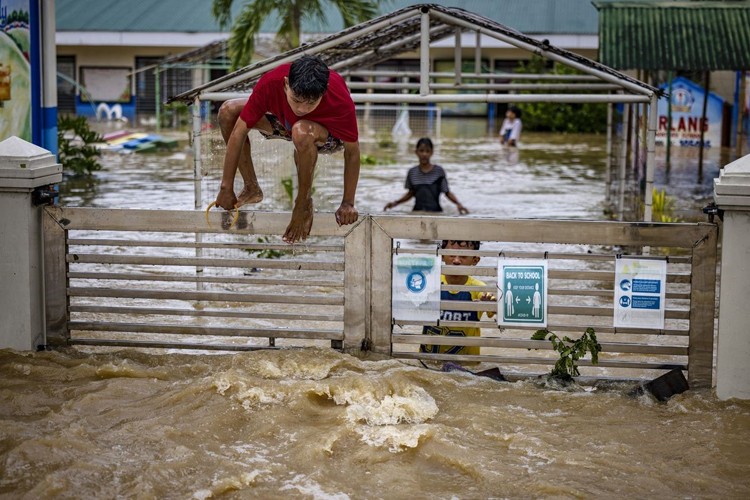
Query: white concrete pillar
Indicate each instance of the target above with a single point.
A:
(24, 167)
(732, 195)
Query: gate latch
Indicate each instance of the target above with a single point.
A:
(44, 195)
(711, 210)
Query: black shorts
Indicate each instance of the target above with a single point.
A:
(332, 144)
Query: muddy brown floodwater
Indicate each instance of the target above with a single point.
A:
(315, 423)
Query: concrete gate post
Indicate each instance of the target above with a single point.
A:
(26, 173)
(732, 195)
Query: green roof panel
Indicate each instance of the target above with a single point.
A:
(680, 35)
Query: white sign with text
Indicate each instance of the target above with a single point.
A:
(640, 293)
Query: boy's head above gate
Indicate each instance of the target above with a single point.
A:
(464, 244)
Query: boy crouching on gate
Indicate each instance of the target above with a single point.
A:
(449, 315)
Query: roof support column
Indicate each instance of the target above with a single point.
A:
(478, 54)
(457, 57)
(608, 191)
(424, 53)
(650, 158)
(624, 144)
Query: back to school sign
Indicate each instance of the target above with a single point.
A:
(522, 292)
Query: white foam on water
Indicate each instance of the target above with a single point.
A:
(246, 395)
(415, 406)
(222, 385)
(307, 486)
(228, 484)
(395, 421)
(308, 364)
(255, 396)
(396, 438)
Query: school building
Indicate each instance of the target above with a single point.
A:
(107, 50)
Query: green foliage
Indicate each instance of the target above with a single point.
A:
(570, 351)
(176, 114)
(662, 207)
(560, 117)
(288, 185)
(266, 253)
(75, 141)
(365, 159)
(385, 141)
(289, 14)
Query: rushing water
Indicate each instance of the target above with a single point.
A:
(320, 424)
(314, 423)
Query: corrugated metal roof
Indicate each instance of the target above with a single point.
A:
(528, 16)
(135, 15)
(680, 35)
(363, 46)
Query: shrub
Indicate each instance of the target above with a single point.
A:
(75, 141)
(570, 351)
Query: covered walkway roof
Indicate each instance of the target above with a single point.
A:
(213, 50)
(387, 36)
(674, 35)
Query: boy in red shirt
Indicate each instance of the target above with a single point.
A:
(308, 104)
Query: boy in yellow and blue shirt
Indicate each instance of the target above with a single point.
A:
(449, 315)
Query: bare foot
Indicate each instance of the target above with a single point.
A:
(301, 224)
(251, 193)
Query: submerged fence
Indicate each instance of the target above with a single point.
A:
(170, 279)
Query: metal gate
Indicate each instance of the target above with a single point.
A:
(170, 279)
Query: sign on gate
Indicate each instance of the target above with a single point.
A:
(522, 287)
(640, 293)
(416, 287)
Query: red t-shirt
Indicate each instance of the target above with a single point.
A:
(335, 111)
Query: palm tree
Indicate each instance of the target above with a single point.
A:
(290, 12)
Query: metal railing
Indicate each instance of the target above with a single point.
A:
(581, 275)
(148, 278)
(169, 279)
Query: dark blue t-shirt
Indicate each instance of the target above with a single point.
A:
(427, 187)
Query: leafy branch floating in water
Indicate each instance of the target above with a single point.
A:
(570, 351)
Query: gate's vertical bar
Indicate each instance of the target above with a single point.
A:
(702, 308)
(56, 299)
(381, 323)
(424, 53)
(356, 287)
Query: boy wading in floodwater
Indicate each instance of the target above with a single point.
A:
(425, 182)
(308, 104)
(449, 315)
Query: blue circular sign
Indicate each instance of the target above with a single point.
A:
(625, 301)
(625, 285)
(416, 282)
